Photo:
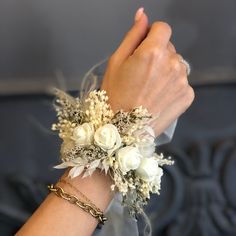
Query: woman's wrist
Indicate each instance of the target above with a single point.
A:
(97, 187)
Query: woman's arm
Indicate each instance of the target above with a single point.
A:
(58, 217)
(145, 70)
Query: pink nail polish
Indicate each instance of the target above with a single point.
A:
(138, 14)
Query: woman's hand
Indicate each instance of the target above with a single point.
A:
(146, 70)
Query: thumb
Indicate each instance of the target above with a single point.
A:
(134, 36)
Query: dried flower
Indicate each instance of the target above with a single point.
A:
(83, 134)
(148, 169)
(107, 138)
(128, 158)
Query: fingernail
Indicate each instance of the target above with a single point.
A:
(138, 14)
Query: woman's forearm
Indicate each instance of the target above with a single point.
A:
(57, 216)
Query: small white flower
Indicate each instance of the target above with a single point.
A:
(128, 158)
(108, 138)
(83, 134)
(148, 169)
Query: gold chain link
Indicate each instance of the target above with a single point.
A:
(87, 207)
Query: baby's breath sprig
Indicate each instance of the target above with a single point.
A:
(98, 111)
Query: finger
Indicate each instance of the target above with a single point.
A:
(133, 38)
(171, 47)
(159, 35)
(184, 65)
(179, 66)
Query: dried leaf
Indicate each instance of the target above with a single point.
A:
(64, 165)
(80, 161)
(76, 171)
(105, 165)
(94, 164)
(88, 172)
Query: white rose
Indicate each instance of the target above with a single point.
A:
(148, 169)
(83, 134)
(108, 138)
(128, 158)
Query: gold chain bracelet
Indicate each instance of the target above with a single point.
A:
(59, 191)
(79, 192)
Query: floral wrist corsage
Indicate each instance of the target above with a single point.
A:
(121, 144)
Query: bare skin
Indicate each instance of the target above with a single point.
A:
(145, 70)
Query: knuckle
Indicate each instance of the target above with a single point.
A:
(163, 26)
(154, 53)
(190, 95)
(176, 66)
(112, 60)
(171, 47)
(150, 54)
(182, 82)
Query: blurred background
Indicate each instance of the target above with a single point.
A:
(43, 41)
